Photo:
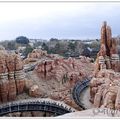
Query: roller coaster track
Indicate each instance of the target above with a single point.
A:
(36, 104)
(78, 89)
(30, 67)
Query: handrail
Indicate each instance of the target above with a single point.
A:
(78, 89)
(36, 104)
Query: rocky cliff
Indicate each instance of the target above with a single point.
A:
(64, 70)
(12, 77)
(105, 85)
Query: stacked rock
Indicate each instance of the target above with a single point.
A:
(102, 62)
(104, 86)
(11, 68)
(19, 75)
(64, 69)
(104, 89)
(37, 53)
(3, 78)
(108, 62)
(108, 55)
(12, 78)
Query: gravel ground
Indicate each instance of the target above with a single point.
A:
(85, 96)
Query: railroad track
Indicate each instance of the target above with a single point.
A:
(36, 104)
(30, 68)
(78, 88)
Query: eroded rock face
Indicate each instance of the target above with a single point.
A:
(38, 54)
(58, 76)
(107, 57)
(105, 85)
(12, 77)
(64, 69)
(104, 89)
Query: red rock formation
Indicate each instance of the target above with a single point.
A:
(38, 54)
(104, 86)
(104, 89)
(64, 70)
(12, 78)
(4, 85)
(11, 68)
(107, 57)
(19, 75)
(35, 55)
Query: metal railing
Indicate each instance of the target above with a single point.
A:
(36, 104)
(78, 89)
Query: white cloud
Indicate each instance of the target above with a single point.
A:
(16, 11)
(28, 18)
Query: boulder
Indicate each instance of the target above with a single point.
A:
(34, 91)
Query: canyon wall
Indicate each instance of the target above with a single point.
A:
(64, 70)
(105, 85)
(12, 77)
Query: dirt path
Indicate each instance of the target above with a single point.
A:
(85, 96)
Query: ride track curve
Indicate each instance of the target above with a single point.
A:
(78, 89)
(36, 104)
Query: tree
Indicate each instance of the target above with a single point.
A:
(27, 50)
(57, 48)
(53, 39)
(11, 45)
(60, 48)
(71, 46)
(45, 47)
(22, 40)
(95, 44)
(86, 52)
(79, 46)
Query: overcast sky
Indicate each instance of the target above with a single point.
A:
(57, 20)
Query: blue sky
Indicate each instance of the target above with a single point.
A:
(58, 20)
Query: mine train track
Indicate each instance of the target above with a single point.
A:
(36, 104)
(30, 68)
(78, 89)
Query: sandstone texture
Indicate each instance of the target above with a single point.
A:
(38, 54)
(105, 89)
(105, 85)
(64, 70)
(12, 77)
(107, 57)
(57, 77)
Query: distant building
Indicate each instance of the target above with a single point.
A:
(39, 47)
(31, 44)
(21, 48)
(37, 40)
(89, 41)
